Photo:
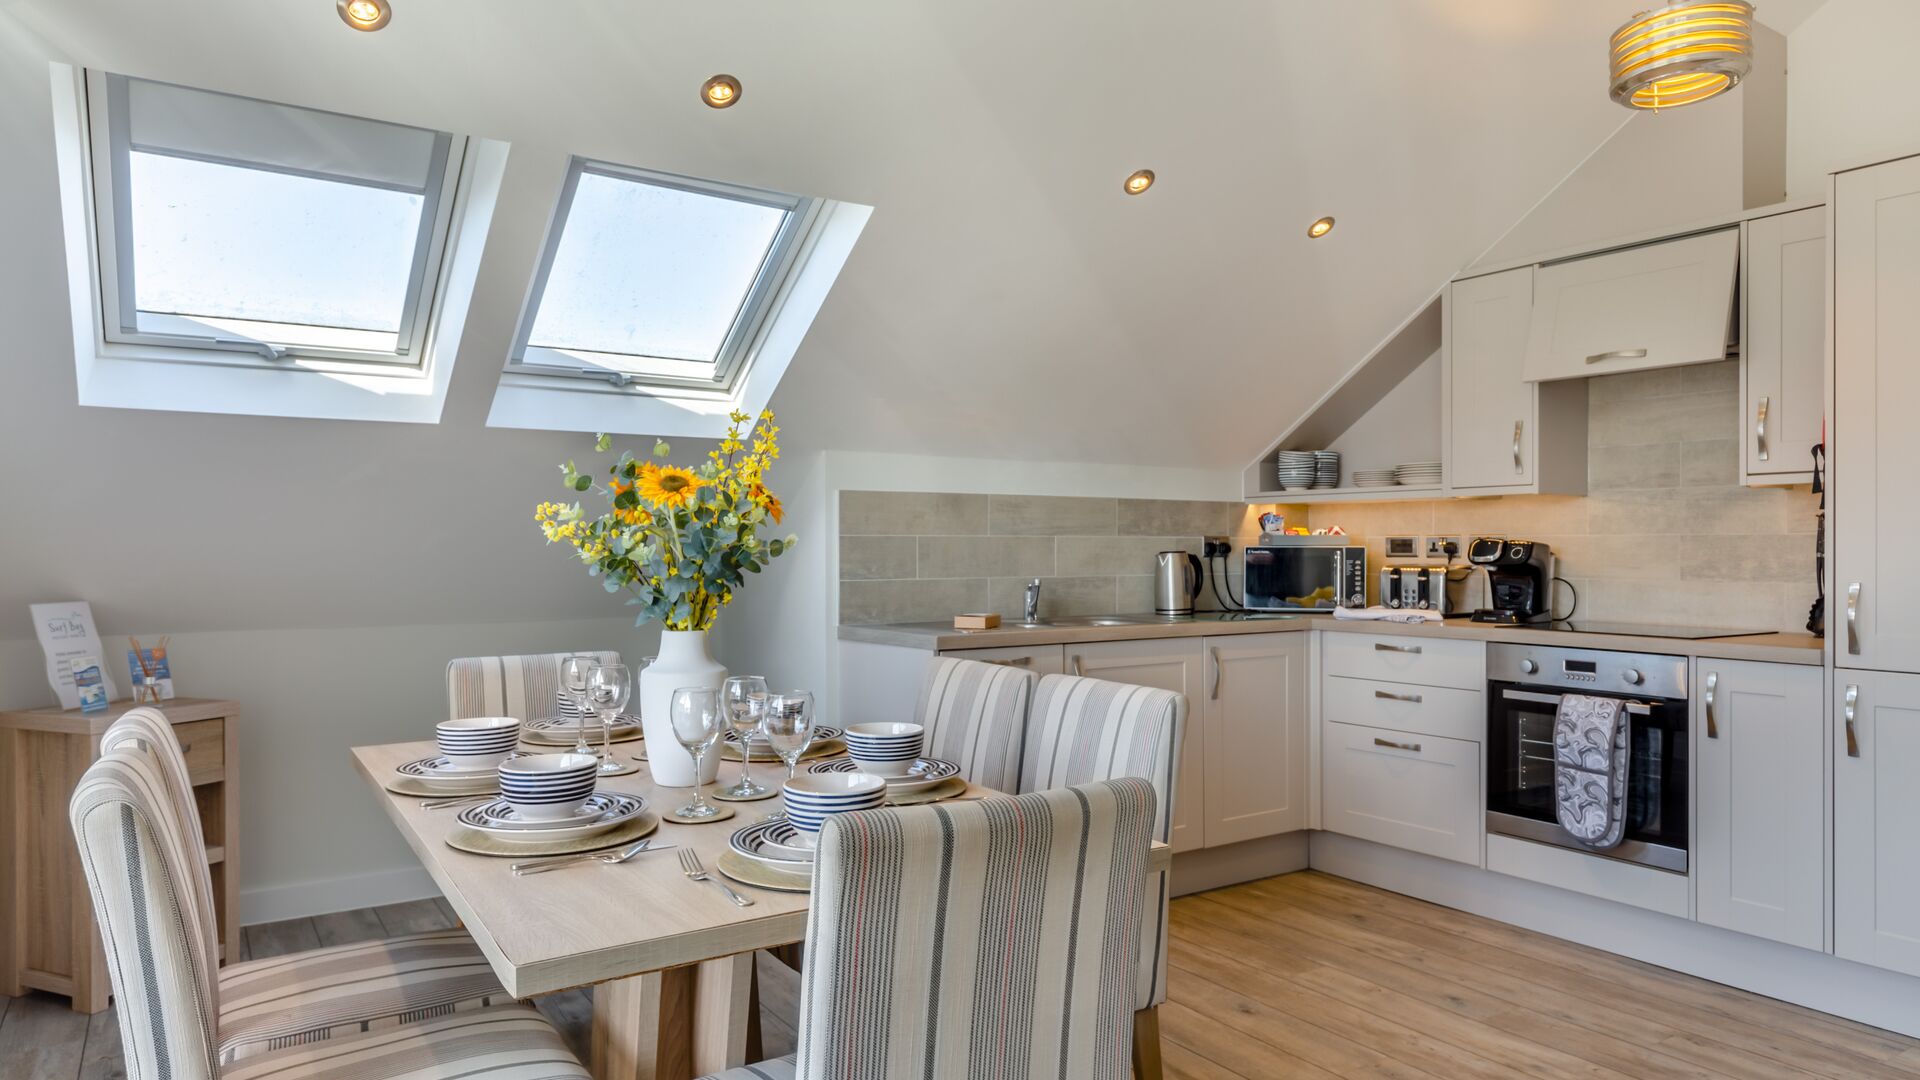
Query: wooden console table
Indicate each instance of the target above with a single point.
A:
(47, 935)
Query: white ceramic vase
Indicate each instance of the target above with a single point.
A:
(683, 661)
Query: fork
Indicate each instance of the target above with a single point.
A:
(611, 858)
(690, 866)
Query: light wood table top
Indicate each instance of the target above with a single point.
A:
(573, 927)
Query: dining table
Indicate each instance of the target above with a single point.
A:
(670, 959)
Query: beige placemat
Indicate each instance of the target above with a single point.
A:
(567, 736)
(730, 752)
(747, 872)
(725, 813)
(483, 784)
(479, 843)
(717, 792)
(945, 789)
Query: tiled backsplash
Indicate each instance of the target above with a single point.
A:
(923, 556)
(1666, 534)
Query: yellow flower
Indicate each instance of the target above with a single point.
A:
(667, 485)
(768, 499)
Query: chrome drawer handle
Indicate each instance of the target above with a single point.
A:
(1760, 428)
(1713, 683)
(1518, 427)
(1017, 661)
(1853, 619)
(1381, 646)
(1391, 745)
(1617, 354)
(1076, 666)
(1214, 655)
(1853, 702)
(1384, 696)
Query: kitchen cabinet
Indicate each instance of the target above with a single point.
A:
(1656, 305)
(1408, 658)
(1874, 610)
(1171, 664)
(1039, 659)
(1759, 739)
(1783, 298)
(1503, 434)
(1416, 792)
(1876, 806)
(1254, 757)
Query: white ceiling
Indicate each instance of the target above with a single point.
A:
(1007, 300)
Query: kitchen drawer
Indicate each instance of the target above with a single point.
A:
(1039, 659)
(1417, 792)
(1423, 661)
(1423, 710)
(204, 744)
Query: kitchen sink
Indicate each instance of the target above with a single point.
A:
(1094, 620)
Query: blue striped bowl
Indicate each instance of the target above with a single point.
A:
(812, 798)
(885, 749)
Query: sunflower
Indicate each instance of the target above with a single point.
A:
(666, 485)
(768, 499)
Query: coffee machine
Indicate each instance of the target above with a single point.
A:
(1519, 579)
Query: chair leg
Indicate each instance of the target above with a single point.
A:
(1146, 1044)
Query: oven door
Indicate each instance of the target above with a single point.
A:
(1293, 578)
(1520, 794)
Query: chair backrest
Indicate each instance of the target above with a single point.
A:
(975, 714)
(147, 730)
(1081, 730)
(987, 938)
(523, 687)
(138, 863)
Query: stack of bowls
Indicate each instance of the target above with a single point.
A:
(1297, 469)
(476, 743)
(1326, 466)
(812, 798)
(549, 787)
(885, 749)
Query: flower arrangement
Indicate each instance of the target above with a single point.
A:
(680, 540)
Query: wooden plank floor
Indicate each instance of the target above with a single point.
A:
(1304, 975)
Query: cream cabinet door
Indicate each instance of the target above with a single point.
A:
(1652, 306)
(1039, 659)
(1874, 615)
(1416, 792)
(1172, 664)
(1876, 812)
(1759, 738)
(1494, 422)
(1784, 296)
(1254, 711)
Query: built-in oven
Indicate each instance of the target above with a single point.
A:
(1525, 684)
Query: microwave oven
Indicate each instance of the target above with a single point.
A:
(1304, 573)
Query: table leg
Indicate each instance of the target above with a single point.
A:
(722, 1000)
(641, 1027)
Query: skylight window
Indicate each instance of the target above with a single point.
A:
(252, 228)
(657, 279)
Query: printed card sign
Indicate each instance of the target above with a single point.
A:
(89, 684)
(67, 634)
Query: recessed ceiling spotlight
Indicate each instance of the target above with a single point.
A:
(720, 91)
(364, 14)
(1320, 228)
(1141, 180)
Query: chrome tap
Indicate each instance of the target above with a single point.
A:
(1033, 601)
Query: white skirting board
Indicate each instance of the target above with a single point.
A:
(1816, 980)
(275, 902)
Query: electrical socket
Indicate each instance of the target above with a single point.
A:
(1436, 547)
(1217, 545)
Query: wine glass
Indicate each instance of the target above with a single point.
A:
(608, 689)
(789, 725)
(697, 723)
(745, 698)
(574, 671)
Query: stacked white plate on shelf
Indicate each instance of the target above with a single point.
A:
(1418, 473)
(1297, 469)
(1374, 478)
(1326, 465)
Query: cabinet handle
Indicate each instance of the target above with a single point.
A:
(1075, 662)
(1381, 646)
(1017, 661)
(1853, 702)
(1391, 745)
(1385, 696)
(1617, 354)
(1713, 683)
(1760, 428)
(1213, 653)
(1518, 427)
(1853, 619)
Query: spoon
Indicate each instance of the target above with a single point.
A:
(611, 858)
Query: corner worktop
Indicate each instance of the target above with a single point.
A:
(942, 637)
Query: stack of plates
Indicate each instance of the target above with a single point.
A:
(1326, 468)
(926, 772)
(564, 730)
(1371, 478)
(1418, 473)
(774, 842)
(600, 813)
(1297, 469)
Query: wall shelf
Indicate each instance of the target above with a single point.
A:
(1348, 494)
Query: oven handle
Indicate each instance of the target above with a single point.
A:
(1639, 707)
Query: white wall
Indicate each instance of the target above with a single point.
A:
(1854, 95)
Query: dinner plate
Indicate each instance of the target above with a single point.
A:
(821, 734)
(434, 770)
(601, 812)
(926, 772)
(462, 838)
(565, 735)
(569, 723)
(774, 841)
(763, 875)
(816, 749)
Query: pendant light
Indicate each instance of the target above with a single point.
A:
(1682, 53)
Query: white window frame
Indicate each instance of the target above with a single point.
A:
(111, 205)
(742, 345)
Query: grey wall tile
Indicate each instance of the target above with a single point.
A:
(869, 558)
(1710, 464)
(1634, 385)
(1052, 515)
(1058, 596)
(1722, 376)
(910, 601)
(1748, 558)
(986, 556)
(911, 513)
(1176, 517)
(1630, 467)
(1134, 594)
(1118, 555)
(1677, 418)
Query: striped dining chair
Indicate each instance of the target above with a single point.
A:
(139, 860)
(308, 997)
(974, 939)
(523, 687)
(975, 713)
(1081, 730)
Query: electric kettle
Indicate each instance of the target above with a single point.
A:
(1176, 582)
